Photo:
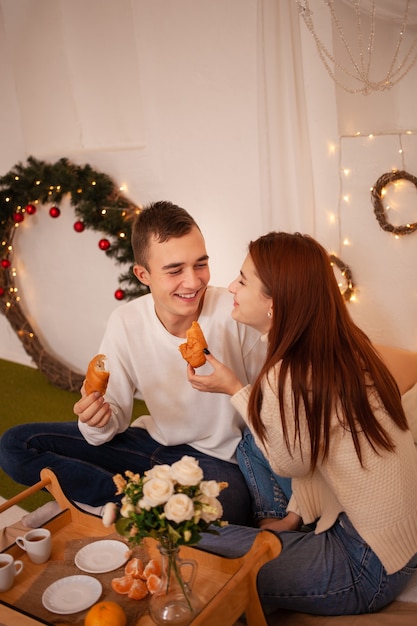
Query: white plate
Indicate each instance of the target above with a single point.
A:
(71, 594)
(102, 556)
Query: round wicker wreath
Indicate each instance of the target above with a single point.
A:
(379, 209)
(349, 290)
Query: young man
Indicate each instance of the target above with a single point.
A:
(141, 345)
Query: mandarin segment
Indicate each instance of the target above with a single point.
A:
(152, 582)
(122, 584)
(152, 567)
(134, 567)
(138, 590)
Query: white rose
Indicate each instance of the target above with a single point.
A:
(210, 488)
(179, 508)
(109, 514)
(159, 471)
(156, 491)
(186, 471)
(212, 509)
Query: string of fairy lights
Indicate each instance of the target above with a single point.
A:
(396, 177)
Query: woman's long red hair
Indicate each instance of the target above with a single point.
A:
(328, 357)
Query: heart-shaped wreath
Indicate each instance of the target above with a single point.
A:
(97, 203)
(377, 193)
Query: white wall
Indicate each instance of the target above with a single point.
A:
(191, 137)
(163, 96)
(354, 140)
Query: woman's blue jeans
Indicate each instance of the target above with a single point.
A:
(85, 472)
(270, 493)
(333, 573)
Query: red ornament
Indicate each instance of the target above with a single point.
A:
(79, 226)
(54, 211)
(18, 217)
(119, 294)
(2, 292)
(30, 209)
(104, 244)
(5, 263)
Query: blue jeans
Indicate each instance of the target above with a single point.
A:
(270, 493)
(85, 472)
(332, 573)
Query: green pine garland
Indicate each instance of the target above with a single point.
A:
(95, 198)
(98, 205)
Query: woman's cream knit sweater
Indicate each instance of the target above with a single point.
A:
(379, 498)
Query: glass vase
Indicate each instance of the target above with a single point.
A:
(174, 601)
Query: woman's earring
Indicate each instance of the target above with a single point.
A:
(269, 314)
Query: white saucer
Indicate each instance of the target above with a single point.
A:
(71, 594)
(102, 556)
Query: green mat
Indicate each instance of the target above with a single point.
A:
(27, 396)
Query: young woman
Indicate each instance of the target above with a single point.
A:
(326, 412)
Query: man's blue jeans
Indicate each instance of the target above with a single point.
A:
(85, 472)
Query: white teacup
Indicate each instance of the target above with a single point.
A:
(37, 543)
(9, 568)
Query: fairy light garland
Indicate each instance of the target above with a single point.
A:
(98, 204)
(349, 289)
(378, 196)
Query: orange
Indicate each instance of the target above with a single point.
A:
(122, 584)
(105, 613)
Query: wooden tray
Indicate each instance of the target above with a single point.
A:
(226, 586)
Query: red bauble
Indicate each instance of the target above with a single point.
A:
(30, 209)
(119, 294)
(79, 226)
(18, 217)
(5, 263)
(104, 244)
(54, 211)
(2, 292)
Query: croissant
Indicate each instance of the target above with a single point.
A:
(97, 376)
(192, 350)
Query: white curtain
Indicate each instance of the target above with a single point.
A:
(287, 193)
